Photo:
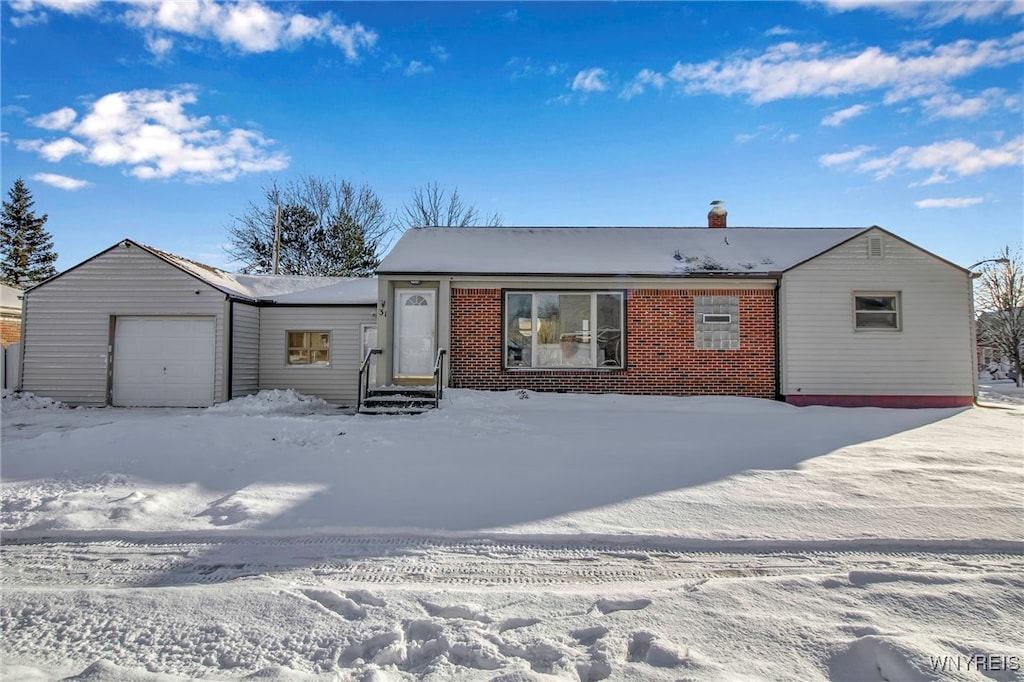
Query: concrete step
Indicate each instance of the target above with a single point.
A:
(394, 410)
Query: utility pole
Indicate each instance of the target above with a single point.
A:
(277, 237)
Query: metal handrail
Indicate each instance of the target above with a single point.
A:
(439, 377)
(364, 377)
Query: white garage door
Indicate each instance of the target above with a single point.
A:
(164, 361)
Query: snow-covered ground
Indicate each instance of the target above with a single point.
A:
(513, 536)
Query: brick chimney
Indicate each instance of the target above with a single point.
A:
(717, 214)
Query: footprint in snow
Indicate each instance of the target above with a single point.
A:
(644, 647)
(336, 603)
(588, 636)
(516, 623)
(607, 606)
(456, 611)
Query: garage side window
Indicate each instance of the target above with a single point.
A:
(876, 311)
(309, 348)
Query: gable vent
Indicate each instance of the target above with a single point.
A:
(875, 247)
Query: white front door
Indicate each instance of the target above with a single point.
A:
(415, 332)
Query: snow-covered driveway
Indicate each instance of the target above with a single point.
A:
(545, 537)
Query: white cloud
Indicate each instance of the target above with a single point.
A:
(249, 26)
(352, 39)
(159, 46)
(791, 70)
(519, 67)
(640, 82)
(838, 118)
(776, 31)
(61, 119)
(958, 202)
(590, 80)
(440, 54)
(415, 68)
(935, 13)
(61, 181)
(150, 133)
(743, 138)
(955, 105)
(840, 158)
(59, 149)
(941, 159)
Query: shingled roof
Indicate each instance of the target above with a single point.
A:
(642, 251)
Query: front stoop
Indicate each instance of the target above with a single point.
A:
(398, 400)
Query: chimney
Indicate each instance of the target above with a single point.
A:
(717, 214)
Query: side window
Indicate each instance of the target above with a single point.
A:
(309, 348)
(876, 311)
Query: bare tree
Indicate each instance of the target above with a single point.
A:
(434, 206)
(1000, 301)
(328, 228)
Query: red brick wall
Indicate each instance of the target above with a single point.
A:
(660, 355)
(10, 331)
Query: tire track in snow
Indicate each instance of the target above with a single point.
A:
(318, 561)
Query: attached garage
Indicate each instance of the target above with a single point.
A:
(134, 326)
(164, 361)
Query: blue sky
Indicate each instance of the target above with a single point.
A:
(159, 121)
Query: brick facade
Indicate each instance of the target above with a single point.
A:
(10, 330)
(661, 357)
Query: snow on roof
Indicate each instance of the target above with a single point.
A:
(278, 288)
(608, 250)
(336, 290)
(9, 296)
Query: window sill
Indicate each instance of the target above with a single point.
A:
(573, 370)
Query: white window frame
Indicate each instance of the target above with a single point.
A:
(594, 332)
(898, 310)
(312, 332)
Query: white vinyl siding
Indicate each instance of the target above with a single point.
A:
(336, 383)
(823, 354)
(245, 350)
(69, 321)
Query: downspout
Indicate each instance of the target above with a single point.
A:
(229, 361)
(971, 276)
(21, 342)
(778, 341)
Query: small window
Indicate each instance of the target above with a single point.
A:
(876, 311)
(309, 348)
(716, 322)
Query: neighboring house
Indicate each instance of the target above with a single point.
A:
(136, 326)
(833, 316)
(10, 314)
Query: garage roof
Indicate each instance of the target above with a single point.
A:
(292, 289)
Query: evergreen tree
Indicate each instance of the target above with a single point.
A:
(26, 249)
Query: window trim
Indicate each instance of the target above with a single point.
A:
(288, 347)
(897, 295)
(593, 293)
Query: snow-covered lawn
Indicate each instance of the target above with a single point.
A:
(530, 535)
